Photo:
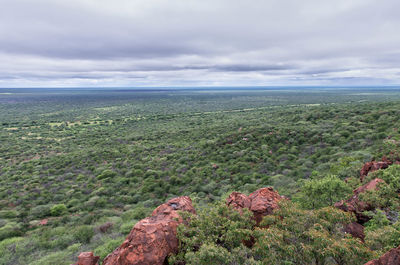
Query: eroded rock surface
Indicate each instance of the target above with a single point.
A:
(154, 238)
(355, 205)
(261, 202)
(392, 257)
(374, 166)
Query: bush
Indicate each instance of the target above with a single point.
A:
(137, 213)
(58, 209)
(7, 247)
(41, 211)
(9, 214)
(11, 229)
(83, 233)
(107, 174)
(59, 258)
(218, 231)
(108, 247)
(323, 192)
(296, 236)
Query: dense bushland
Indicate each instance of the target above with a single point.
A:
(79, 169)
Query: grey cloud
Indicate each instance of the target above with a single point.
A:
(198, 42)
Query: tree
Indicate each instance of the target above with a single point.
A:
(317, 193)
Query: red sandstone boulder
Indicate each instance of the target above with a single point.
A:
(154, 238)
(355, 205)
(87, 258)
(261, 202)
(355, 229)
(374, 166)
(238, 201)
(392, 257)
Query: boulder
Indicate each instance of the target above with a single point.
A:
(261, 202)
(355, 205)
(355, 229)
(392, 257)
(238, 201)
(87, 258)
(152, 239)
(374, 166)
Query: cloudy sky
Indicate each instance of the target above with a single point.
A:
(55, 43)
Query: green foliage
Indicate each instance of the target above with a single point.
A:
(83, 233)
(378, 220)
(60, 257)
(11, 229)
(108, 247)
(96, 152)
(137, 213)
(58, 209)
(383, 238)
(386, 196)
(215, 231)
(8, 249)
(107, 174)
(296, 236)
(289, 236)
(317, 193)
(41, 211)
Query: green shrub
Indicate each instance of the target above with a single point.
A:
(217, 230)
(9, 214)
(108, 247)
(41, 211)
(127, 227)
(107, 174)
(7, 250)
(137, 213)
(383, 238)
(58, 209)
(297, 236)
(317, 193)
(59, 258)
(11, 229)
(83, 233)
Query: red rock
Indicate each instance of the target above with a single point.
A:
(374, 166)
(152, 239)
(261, 202)
(355, 229)
(43, 222)
(87, 258)
(238, 201)
(392, 257)
(355, 205)
(372, 185)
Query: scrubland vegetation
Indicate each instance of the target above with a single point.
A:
(78, 169)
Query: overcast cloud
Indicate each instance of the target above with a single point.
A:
(199, 43)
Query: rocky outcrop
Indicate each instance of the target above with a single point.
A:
(355, 205)
(392, 257)
(261, 202)
(154, 238)
(87, 258)
(374, 166)
(238, 201)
